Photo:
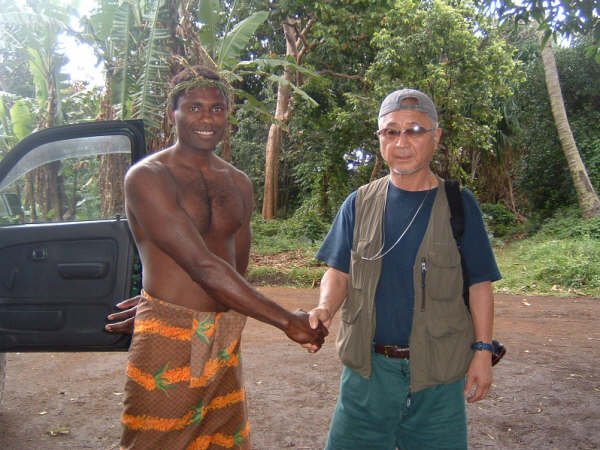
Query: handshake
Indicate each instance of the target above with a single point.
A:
(306, 328)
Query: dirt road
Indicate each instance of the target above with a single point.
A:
(546, 392)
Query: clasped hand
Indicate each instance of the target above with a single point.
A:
(302, 328)
(301, 331)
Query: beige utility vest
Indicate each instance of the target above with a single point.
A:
(442, 330)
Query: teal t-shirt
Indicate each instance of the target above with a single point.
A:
(394, 297)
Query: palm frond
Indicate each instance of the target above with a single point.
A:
(119, 50)
(251, 103)
(279, 79)
(209, 13)
(273, 63)
(236, 41)
(149, 100)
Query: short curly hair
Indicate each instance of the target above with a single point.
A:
(193, 77)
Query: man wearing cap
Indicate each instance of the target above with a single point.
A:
(412, 351)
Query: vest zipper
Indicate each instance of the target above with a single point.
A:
(423, 276)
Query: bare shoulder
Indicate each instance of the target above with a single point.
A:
(239, 178)
(151, 166)
(242, 179)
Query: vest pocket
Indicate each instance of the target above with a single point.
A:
(352, 305)
(444, 275)
(351, 309)
(448, 349)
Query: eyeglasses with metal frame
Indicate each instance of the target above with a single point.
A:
(412, 132)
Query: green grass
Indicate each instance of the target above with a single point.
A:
(294, 276)
(560, 267)
(562, 259)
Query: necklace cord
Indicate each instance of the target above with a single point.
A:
(378, 254)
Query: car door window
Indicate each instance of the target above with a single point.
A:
(67, 180)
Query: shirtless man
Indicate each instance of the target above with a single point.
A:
(189, 212)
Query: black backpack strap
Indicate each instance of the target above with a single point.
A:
(457, 211)
(457, 222)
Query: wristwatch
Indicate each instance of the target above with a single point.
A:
(479, 345)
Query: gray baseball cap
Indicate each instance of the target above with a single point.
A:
(408, 99)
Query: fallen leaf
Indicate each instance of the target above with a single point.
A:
(58, 432)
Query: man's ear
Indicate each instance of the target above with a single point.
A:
(170, 115)
(437, 136)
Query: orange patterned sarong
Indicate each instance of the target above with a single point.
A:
(184, 386)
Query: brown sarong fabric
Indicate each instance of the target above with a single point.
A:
(184, 387)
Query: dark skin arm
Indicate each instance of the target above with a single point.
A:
(126, 318)
(152, 204)
(123, 321)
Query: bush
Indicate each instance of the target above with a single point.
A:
(306, 224)
(568, 224)
(500, 220)
(271, 236)
(305, 229)
(563, 257)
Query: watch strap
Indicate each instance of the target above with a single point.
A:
(482, 346)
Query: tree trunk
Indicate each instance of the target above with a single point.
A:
(49, 182)
(589, 202)
(226, 145)
(269, 207)
(375, 173)
(112, 166)
(296, 47)
(110, 184)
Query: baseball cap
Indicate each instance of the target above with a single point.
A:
(408, 99)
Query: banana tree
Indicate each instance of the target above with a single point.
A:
(130, 39)
(144, 42)
(34, 29)
(225, 54)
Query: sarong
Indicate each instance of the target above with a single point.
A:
(184, 387)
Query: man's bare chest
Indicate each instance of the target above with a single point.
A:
(213, 202)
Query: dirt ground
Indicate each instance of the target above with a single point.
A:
(546, 391)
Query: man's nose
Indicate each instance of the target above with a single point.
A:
(204, 115)
(401, 140)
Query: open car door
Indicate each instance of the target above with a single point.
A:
(66, 254)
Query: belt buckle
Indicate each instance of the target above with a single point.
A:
(388, 350)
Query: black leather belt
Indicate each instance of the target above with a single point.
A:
(392, 351)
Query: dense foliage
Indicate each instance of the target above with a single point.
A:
(487, 79)
(542, 177)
